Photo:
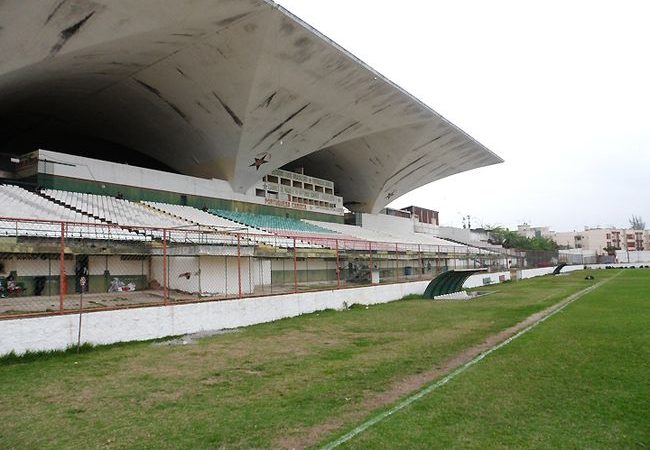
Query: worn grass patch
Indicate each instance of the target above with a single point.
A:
(579, 380)
(270, 386)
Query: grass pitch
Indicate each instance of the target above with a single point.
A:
(295, 382)
(579, 380)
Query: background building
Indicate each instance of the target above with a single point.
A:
(532, 232)
(600, 239)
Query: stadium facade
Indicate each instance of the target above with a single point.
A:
(184, 151)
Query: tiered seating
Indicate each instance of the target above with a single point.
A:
(203, 218)
(135, 216)
(404, 241)
(379, 240)
(20, 203)
(304, 232)
(269, 223)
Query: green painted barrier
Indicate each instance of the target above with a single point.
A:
(449, 282)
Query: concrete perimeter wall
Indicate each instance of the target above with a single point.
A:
(138, 324)
(477, 280)
(631, 257)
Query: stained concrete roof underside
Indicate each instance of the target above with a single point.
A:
(227, 89)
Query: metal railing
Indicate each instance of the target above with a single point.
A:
(50, 267)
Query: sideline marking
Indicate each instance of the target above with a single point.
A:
(441, 382)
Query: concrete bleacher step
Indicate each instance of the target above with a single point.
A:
(66, 205)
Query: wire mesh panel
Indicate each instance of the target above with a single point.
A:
(31, 259)
(109, 267)
(29, 283)
(50, 267)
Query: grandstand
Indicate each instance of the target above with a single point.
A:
(272, 223)
(200, 217)
(19, 203)
(204, 152)
(404, 237)
(304, 232)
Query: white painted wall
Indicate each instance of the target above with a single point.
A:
(218, 274)
(116, 266)
(388, 224)
(455, 234)
(33, 265)
(641, 256)
(477, 280)
(107, 327)
(426, 228)
(136, 324)
(114, 173)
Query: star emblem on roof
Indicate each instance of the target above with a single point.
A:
(259, 161)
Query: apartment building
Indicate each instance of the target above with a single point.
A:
(599, 239)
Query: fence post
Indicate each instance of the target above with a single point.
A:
(370, 260)
(295, 268)
(396, 264)
(338, 267)
(200, 290)
(62, 278)
(165, 294)
(239, 263)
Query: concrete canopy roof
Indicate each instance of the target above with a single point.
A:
(228, 89)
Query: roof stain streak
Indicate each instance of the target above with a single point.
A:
(353, 124)
(157, 93)
(317, 122)
(124, 64)
(381, 109)
(230, 20)
(279, 139)
(220, 52)
(203, 107)
(149, 87)
(230, 112)
(67, 33)
(422, 166)
(267, 101)
(419, 147)
(54, 11)
(280, 125)
(177, 110)
(406, 167)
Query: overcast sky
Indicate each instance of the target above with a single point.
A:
(559, 89)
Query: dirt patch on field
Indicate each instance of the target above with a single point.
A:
(297, 439)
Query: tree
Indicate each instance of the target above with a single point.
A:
(611, 250)
(512, 239)
(637, 223)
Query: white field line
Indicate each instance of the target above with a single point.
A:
(441, 382)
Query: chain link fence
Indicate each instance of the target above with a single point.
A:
(61, 267)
